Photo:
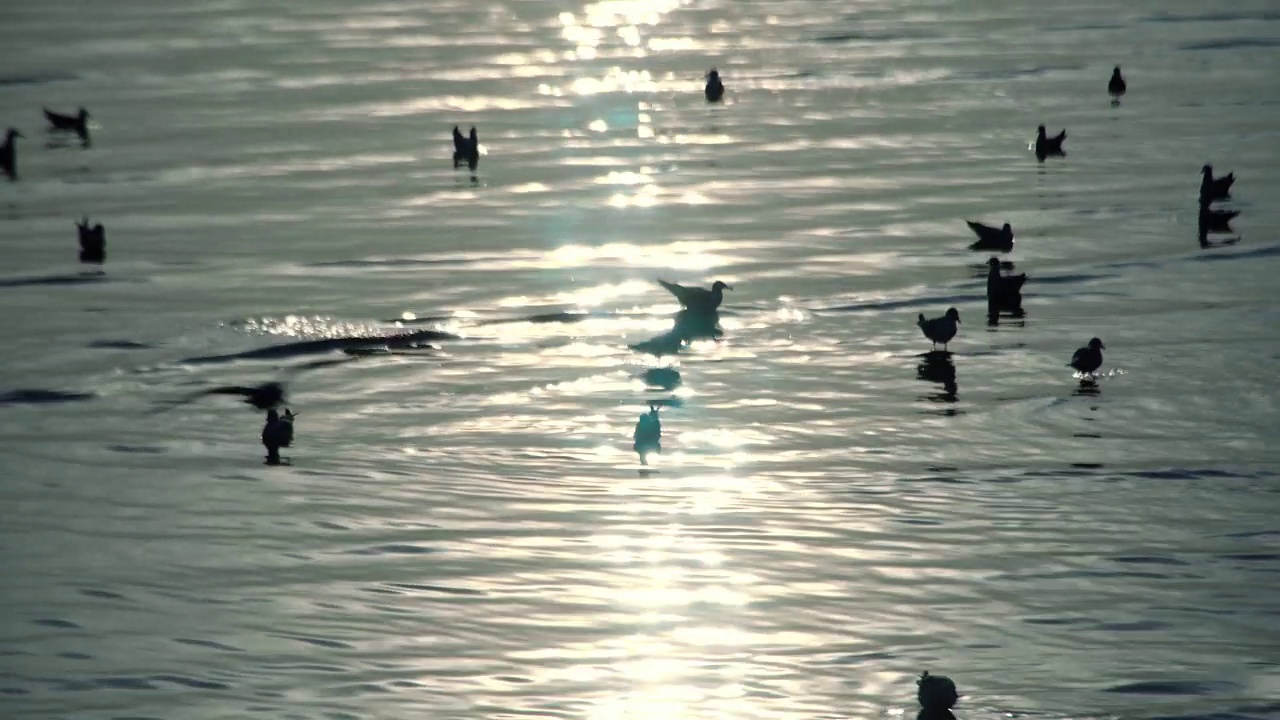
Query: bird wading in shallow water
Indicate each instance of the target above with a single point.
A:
(277, 433)
(1088, 359)
(1116, 87)
(1004, 292)
(647, 437)
(1213, 189)
(940, 329)
(93, 242)
(466, 149)
(714, 91)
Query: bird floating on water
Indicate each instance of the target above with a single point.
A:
(696, 299)
(1212, 188)
(936, 695)
(1046, 146)
(93, 241)
(940, 329)
(991, 238)
(9, 156)
(714, 89)
(277, 433)
(1003, 291)
(1088, 359)
(1117, 86)
(647, 437)
(466, 149)
(78, 123)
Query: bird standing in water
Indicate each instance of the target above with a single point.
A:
(1117, 86)
(466, 149)
(1088, 359)
(93, 242)
(647, 436)
(78, 123)
(277, 433)
(714, 89)
(696, 299)
(940, 329)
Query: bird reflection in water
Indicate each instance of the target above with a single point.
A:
(1004, 292)
(1216, 222)
(663, 378)
(1088, 388)
(689, 326)
(937, 367)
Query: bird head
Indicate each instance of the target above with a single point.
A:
(1096, 344)
(272, 415)
(713, 74)
(720, 285)
(13, 133)
(936, 692)
(993, 262)
(1040, 131)
(953, 314)
(1206, 170)
(1007, 229)
(84, 114)
(1116, 71)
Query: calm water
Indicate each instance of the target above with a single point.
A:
(465, 531)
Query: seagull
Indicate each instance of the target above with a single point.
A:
(277, 433)
(1212, 188)
(1003, 290)
(940, 329)
(1117, 86)
(78, 123)
(715, 89)
(1088, 359)
(8, 158)
(1046, 146)
(648, 434)
(990, 238)
(466, 149)
(936, 694)
(697, 299)
(93, 242)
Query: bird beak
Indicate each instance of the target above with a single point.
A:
(728, 287)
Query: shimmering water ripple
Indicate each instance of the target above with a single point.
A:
(466, 532)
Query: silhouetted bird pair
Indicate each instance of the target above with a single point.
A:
(93, 242)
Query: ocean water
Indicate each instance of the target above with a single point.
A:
(465, 532)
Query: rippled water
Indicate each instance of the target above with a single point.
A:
(465, 531)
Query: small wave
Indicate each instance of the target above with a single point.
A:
(54, 280)
(1268, 251)
(36, 396)
(350, 345)
(1209, 17)
(1233, 44)
(1172, 687)
(37, 79)
(900, 304)
(119, 345)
